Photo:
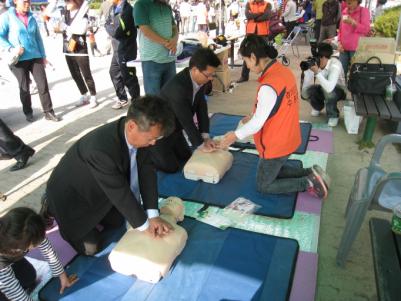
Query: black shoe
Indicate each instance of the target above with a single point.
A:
(242, 79)
(51, 116)
(23, 160)
(29, 117)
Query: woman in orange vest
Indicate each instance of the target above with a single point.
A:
(257, 13)
(275, 125)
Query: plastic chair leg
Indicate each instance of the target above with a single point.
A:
(354, 221)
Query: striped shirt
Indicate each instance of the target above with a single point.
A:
(9, 284)
(159, 18)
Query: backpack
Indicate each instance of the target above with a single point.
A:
(331, 10)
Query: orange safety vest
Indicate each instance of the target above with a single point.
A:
(259, 28)
(281, 133)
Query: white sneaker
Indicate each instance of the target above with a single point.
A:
(315, 113)
(93, 102)
(83, 100)
(332, 122)
(120, 104)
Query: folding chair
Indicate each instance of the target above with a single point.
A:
(287, 43)
(373, 188)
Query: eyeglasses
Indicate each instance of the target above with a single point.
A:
(208, 76)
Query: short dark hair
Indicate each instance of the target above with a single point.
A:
(20, 228)
(324, 50)
(258, 46)
(152, 110)
(204, 57)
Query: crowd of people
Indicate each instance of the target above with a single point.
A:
(112, 170)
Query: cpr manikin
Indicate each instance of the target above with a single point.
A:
(149, 258)
(208, 167)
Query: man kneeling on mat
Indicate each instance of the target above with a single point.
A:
(275, 124)
(108, 176)
(185, 94)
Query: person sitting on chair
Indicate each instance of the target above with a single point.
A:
(186, 95)
(331, 84)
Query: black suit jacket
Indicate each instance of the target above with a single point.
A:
(178, 92)
(93, 176)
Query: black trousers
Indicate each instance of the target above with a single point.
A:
(123, 76)
(169, 153)
(289, 26)
(21, 71)
(26, 275)
(81, 73)
(92, 242)
(317, 29)
(11, 146)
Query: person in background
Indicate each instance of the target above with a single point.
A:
(177, 16)
(185, 94)
(290, 17)
(257, 13)
(331, 16)
(185, 13)
(3, 7)
(21, 229)
(92, 41)
(121, 27)
(355, 23)
(275, 125)
(104, 12)
(201, 16)
(331, 87)
(45, 19)
(75, 48)
(158, 36)
(317, 8)
(11, 146)
(20, 37)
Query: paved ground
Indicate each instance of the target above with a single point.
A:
(51, 140)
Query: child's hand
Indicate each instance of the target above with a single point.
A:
(67, 281)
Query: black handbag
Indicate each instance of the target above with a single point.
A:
(373, 79)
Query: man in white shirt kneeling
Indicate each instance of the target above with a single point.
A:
(330, 87)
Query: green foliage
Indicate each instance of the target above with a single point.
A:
(386, 25)
(95, 4)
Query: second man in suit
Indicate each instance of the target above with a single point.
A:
(108, 176)
(186, 96)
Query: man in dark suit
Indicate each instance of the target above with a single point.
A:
(186, 96)
(108, 176)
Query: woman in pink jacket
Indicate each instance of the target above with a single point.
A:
(355, 23)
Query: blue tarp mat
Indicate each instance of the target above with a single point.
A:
(216, 264)
(221, 123)
(239, 181)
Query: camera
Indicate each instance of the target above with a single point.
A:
(309, 62)
(312, 60)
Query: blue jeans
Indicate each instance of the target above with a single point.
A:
(273, 176)
(318, 98)
(155, 75)
(345, 59)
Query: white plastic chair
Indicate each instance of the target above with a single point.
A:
(373, 188)
(287, 43)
